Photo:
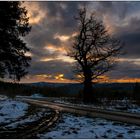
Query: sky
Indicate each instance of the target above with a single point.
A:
(54, 26)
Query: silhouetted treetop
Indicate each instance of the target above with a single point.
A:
(94, 49)
(14, 25)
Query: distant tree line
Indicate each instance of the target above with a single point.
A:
(13, 89)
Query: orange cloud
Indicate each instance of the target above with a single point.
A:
(61, 54)
(127, 80)
(66, 58)
(44, 76)
(34, 13)
(62, 37)
(107, 79)
(52, 49)
(103, 79)
(47, 59)
(28, 54)
(59, 77)
(109, 26)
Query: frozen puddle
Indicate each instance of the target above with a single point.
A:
(71, 126)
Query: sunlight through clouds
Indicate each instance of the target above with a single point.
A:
(52, 49)
(59, 77)
(54, 27)
(35, 14)
(62, 37)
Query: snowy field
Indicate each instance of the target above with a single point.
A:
(18, 116)
(11, 110)
(14, 113)
(73, 127)
(35, 95)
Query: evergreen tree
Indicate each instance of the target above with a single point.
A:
(14, 26)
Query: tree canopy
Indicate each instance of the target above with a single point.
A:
(94, 49)
(14, 25)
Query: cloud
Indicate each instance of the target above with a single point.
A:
(52, 67)
(126, 68)
(53, 27)
(35, 14)
(130, 35)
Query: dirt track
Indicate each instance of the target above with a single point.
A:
(92, 112)
(30, 130)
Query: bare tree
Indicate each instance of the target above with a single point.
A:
(94, 50)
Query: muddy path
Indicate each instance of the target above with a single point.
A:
(132, 118)
(36, 120)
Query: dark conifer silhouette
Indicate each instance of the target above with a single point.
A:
(13, 26)
(93, 49)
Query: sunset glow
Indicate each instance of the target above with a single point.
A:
(53, 30)
(59, 77)
(34, 13)
(62, 37)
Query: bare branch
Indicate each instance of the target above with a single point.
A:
(93, 48)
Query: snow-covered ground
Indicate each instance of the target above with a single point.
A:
(28, 119)
(18, 117)
(11, 109)
(14, 113)
(35, 95)
(3, 97)
(71, 126)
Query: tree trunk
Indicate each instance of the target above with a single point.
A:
(87, 92)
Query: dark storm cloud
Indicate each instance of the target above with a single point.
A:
(130, 35)
(125, 69)
(127, 13)
(40, 54)
(65, 11)
(132, 45)
(52, 67)
(119, 9)
(42, 35)
(59, 19)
